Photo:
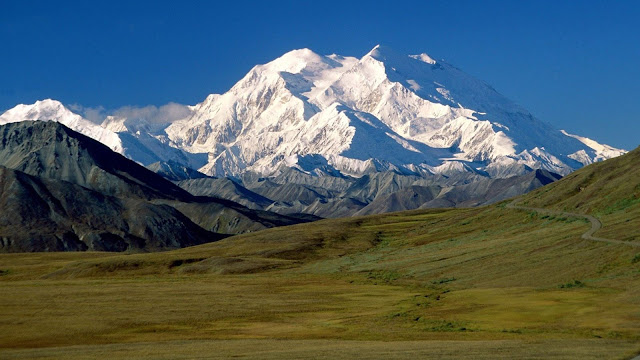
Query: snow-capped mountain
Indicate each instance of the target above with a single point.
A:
(336, 115)
(133, 138)
(51, 110)
(383, 111)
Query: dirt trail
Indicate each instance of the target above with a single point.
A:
(595, 223)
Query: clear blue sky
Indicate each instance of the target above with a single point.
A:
(574, 64)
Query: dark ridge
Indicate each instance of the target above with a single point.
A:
(50, 149)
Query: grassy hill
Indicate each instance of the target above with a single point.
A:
(609, 190)
(489, 282)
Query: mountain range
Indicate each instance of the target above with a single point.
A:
(385, 111)
(63, 191)
(338, 136)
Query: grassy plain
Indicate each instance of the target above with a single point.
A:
(488, 282)
(427, 277)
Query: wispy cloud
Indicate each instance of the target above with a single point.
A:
(151, 114)
(164, 114)
(95, 114)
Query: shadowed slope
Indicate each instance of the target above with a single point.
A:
(50, 149)
(58, 207)
(40, 214)
(175, 171)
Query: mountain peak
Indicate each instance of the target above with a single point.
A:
(301, 52)
(48, 102)
(374, 49)
(53, 110)
(426, 111)
(394, 59)
(423, 111)
(296, 61)
(385, 53)
(35, 147)
(47, 109)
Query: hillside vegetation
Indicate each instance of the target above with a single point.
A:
(500, 282)
(609, 190)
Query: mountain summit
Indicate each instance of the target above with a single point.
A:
(406, 112)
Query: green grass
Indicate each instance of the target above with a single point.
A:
(609, 190)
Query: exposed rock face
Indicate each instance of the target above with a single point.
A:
(51, 150)
(40, 214)
(370, 194)
(175, 171)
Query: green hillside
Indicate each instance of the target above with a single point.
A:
(491, 282)
(609, 190)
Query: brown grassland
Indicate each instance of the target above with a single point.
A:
(488, 282)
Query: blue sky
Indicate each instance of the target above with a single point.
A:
(574, 64)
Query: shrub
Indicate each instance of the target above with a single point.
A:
(574, 284)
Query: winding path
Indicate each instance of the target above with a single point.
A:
(595, 223)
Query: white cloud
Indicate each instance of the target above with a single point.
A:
(164, 114)
(151, 114)
(96, 114)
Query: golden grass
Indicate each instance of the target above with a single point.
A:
(54, 313)
(339, 349)
(420, 276)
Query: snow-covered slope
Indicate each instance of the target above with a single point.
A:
(385, 110)
(147, 143)
(602, 152)
(135, 139)
(52, 110)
